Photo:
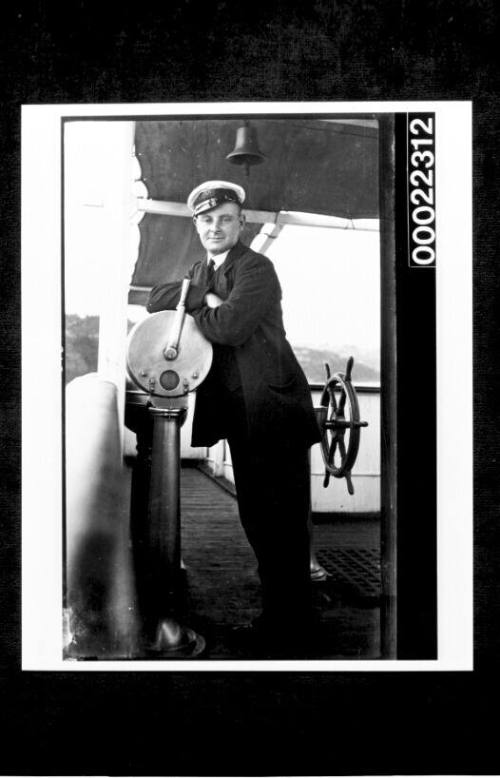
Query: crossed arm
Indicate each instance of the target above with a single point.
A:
(231, 321)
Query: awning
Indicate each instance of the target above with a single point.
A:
(311, 166)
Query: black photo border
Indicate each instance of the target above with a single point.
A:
(440, 723)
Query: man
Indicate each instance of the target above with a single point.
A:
(257, 397)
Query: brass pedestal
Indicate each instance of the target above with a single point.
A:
(159, 579)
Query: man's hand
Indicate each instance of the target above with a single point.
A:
(212, 300)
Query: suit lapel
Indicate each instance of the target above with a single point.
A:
(233, 255)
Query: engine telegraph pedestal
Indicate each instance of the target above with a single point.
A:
(167, 357)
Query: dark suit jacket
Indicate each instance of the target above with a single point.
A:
(248, 327)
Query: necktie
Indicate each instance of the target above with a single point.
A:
(210, 273)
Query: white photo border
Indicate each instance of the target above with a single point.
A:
(42, 496)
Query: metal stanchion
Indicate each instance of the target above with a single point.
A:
(170, 637)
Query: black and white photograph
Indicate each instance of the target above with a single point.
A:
(258, 316)
(249, 351)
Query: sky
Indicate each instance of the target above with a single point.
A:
(331, 286)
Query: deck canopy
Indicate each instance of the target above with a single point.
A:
(317, 166)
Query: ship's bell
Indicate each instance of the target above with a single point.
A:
(246, 151)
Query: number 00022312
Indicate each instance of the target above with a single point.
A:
(421, 191)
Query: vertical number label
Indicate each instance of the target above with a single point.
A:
(421, 190)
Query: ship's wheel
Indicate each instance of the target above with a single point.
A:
(340, 425)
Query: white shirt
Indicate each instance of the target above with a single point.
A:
(218, 259)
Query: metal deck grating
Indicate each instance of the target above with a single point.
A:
(355, 570)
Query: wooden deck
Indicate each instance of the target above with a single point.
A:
(222, 587)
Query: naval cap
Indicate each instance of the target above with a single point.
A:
(210, 194)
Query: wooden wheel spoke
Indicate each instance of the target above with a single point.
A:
(333, 401)
(343, 398)
(332, 450)
(342, 449)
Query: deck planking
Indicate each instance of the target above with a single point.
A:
(222, 586)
